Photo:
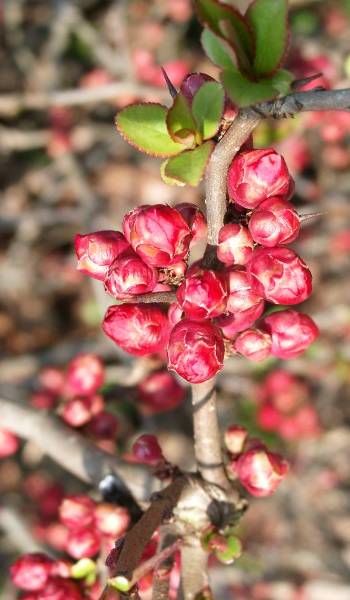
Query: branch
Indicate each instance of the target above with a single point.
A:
(194, 571)
(74, 452)
(304, 101)
(159, 297)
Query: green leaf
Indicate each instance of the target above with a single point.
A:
(180, 122)
(227, 23)
(169, 180)
(245, 92)
(217, 50)
(282, 80)
(269, 22)
(233, 551)
(144, 127)
(190, 165)
(207, 108)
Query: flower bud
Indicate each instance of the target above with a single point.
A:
(158, 233)
(274, 222)
(160, 391)
(280, 276)
(260, 471)
(233, 323)
(175, 313)
(235, 244)
(203, 294)
(196, 350)
(194, 219)
(255, 175)
(61, 589)
(235, 438)
(103, 426)
(51, 380)
(139, 329)
(192, 83)
(268, 417)
(85, 375)
(96, 251)
(77, 512)
(253, 344)
(111, 520)
(129, 275)
(285, 391)
(147, 450)
(77, 411)
(83, 543)
(291, 333)
(31, 572)
(9, 443)
(42, 400)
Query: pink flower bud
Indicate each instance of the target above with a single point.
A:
(160, 391)
(77, 411)
(96, 251)
(203, 294)
(9, 443)
(260, 471)
(302, 424)
(194, 219)
(280, 275)
(42, 400)
(285, 391)
(51, 380)
(244, 305)
(31, 572)
(274, 222)
(129, 275)
(235, 244)
(192, 83)
(235, 438)
(158, 233)
(83, 543)
(255, 175)
(61, 589)
(103, 426)
(291, 333)
(77, 512)
(139, 329)
(85, 375)
(268, 417)
(175, 313)
(147, 450)
(196, 350)
(111, 520)
(253, 344)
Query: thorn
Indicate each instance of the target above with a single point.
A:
(172, 89)
(309, 216)
(300, 82)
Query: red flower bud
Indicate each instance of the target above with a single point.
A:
(60, 589)
(235, 438)
(255, 175)
(111, 520)
(260, 471)
(280, 275)
(192, 83)
(203, 294)
(103, 426)
(77, 411)
(268, 417)
(9, 443)
(160, 391)
(274, 222)
(147, 450)
(235, 244)
(175, 313)
(96, 251)
(77, 512)
(158, 233)
(139, 329)
(51, 380)
(42, 400)
(129, 275)
(85, 375)
(31, 572)
(244, 305)
(83, 543)
(194, 219)
(253, 344)
(291, 333)
(196, 350)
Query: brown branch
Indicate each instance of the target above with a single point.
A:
(161, 576)
(74, 452)
(159, 297)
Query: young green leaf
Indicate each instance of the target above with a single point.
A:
(245, 92)
(144, 126)
(180, 122)
(166, 179)
(269, 22)
(218, 50)
(213, 14)
(207, 108)
(189, 166)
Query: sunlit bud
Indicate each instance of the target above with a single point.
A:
(261, 471)
(129, 275)
(77, 512)
(85, 375)
(147, 450)
(83, 543)
(253, 344)
(203, 294)
(274, 222)
(96, 251)
(235, 438)
(291, 333)
(31, 572)
(111, 520)
(194, 219)
(235, 244)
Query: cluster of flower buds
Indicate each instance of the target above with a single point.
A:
(76, 393)
(259, 471)
(285, 407)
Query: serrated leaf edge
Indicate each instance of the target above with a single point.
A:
(205, 166)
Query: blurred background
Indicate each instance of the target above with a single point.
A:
(66, 69)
